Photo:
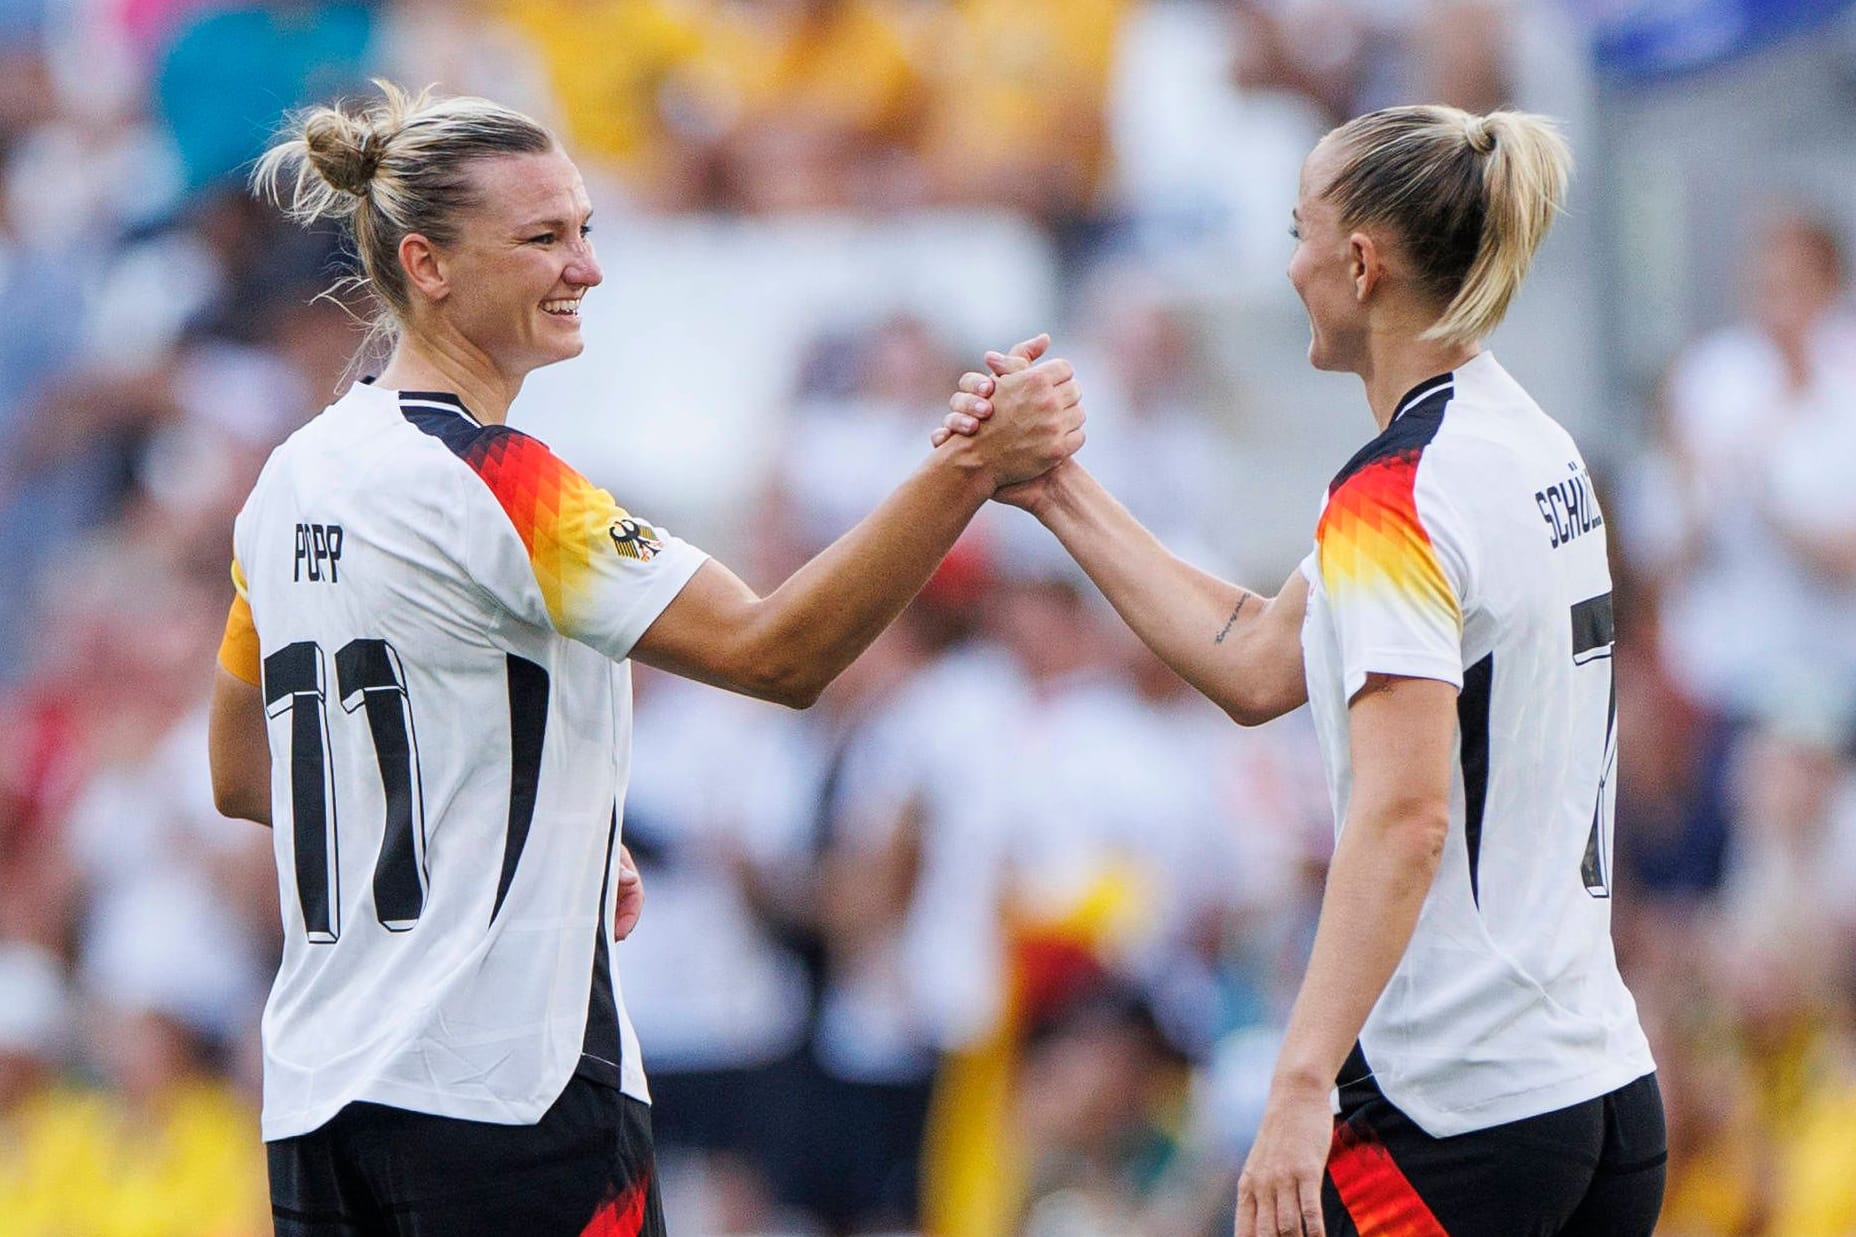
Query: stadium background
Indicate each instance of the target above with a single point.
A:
(1008, 872)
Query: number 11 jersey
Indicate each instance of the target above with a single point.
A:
(438, 613)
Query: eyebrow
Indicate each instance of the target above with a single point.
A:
(553, 223)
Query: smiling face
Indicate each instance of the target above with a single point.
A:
(521, 262)
(1325, 269)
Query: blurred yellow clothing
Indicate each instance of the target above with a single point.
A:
(974, 1180)
(1713, 1193)
(1816, 1194)
(610, 62)
(1017, 82)
(848, 71)
(76, 1162)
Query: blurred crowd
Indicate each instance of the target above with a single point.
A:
(997, 940)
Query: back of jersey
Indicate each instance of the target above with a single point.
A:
(441, 609)
(1466, 545)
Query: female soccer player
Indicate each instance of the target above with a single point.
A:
(1451, 632)
(425, 683)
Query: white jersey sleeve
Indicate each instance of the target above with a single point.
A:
(567, 556)
(1396, 561)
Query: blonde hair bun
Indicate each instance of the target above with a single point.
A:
(344, 150)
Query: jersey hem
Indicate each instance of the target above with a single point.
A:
(1516, 1105)
(308, 1120)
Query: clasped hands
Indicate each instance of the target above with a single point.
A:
(1031, 411)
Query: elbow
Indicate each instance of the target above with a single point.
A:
(796, 695)
(784, 682)
(238, 800)
(239, 805)
(1418, 829)
(1245, 713)
(1254, 708)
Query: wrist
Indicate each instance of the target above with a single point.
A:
(969, 468)
(1057, 495)
(1301, 1078)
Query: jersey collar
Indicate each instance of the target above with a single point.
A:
(443, 400)
(1444, 383)
(439, 401)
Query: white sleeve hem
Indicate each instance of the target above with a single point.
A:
(669, 580)
(1404, 663)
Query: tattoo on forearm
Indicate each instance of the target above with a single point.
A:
(1232, 621)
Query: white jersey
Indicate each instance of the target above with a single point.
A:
(1465, 544)
(441, 611)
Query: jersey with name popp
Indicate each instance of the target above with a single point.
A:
(1465, 544)
(438, 612)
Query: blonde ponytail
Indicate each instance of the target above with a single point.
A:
(386, 170)
(1471, 198)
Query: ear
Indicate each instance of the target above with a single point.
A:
(425, 270)
(1366, 266)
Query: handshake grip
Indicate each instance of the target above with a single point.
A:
(1024, 417)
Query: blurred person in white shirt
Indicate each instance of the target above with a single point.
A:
(1745, 512)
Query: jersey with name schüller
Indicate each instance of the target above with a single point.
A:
(438, 613)
(1465, 544)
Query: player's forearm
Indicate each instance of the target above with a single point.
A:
(1382, 870)
(833, 608)
(1192, 620)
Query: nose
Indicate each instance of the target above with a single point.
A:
(583, 271)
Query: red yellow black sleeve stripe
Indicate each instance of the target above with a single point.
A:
(238, 648)
(563, 519)
(1373, 544)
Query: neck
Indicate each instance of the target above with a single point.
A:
(426, 363)
(1396, 363)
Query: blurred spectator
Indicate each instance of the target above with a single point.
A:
(1099, 1094)
(1792, 877)
(857, 419)
(1206, 157)
(1014, 114)
(631, 105)
(1672, 811)
(230, 72)
(805, 104)
(1745, 512)
(167, 1150)
(1159, 438)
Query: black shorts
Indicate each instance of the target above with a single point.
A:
(1592, 1170)
(585, 1168)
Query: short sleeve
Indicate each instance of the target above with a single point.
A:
(1392, 559)
(238, 648)
(568, 555)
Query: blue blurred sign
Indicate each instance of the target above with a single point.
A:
(1649, 39)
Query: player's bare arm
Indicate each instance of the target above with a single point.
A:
(1402, 745)
(788, 645)
(239, 749)
(1241, 649)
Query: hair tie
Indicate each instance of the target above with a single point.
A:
(373, 148)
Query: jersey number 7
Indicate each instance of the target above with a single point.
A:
(1594, 629)
(369, 679)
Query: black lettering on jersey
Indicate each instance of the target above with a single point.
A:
(318, 550)
(1569, 507)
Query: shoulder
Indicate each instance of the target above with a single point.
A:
(1393, 456)
(507, 459)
